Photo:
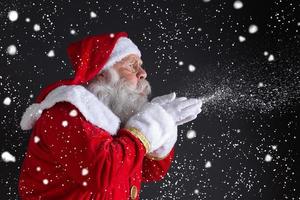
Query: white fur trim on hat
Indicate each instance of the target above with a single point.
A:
(123, 47)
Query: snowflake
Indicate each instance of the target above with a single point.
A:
(253, 28)
(7, 101)
(13, 15)
(268, 158)
(36, 139)
(238, 5)
(12, 50)
(208, 164)
(64, 123)
(36, 27)
(191, 134)
(73, 113)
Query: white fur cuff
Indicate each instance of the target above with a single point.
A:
(155, 123)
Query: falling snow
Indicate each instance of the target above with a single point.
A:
(36, 139)
(7, 157)
(38, 168)
(64, 123)
(36, 27)
(242, 38)
(73, 113)
(51, 54)
(245, 70)
(191, 134)
(45, 181)
(12, 50)
(84, 171)
(180, 63)
(238, 5)
(13, 15)
(7, 101)
(274, 147)
(73, 32)
(268, 158)
(93, 14)
(253, 29)
(260, 84)
(271, 57)
(208, 164)
(192, 68)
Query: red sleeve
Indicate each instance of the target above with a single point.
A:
(155, 170)
(88, 154)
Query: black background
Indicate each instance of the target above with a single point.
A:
(233, 132)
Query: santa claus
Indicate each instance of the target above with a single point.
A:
(97, 136)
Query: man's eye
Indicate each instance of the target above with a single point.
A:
(132, 68)
(130, 64)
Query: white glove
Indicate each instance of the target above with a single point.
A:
(164, 98)
(190, 112)
(155, 123)
(182, 109)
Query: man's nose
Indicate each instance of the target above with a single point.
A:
(141, 74)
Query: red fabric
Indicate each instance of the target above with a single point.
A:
(114, 163)
(88, 56)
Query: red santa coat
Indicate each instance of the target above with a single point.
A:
(78, 151)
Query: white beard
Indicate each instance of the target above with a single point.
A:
(120, 97)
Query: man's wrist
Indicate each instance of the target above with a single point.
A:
(137, 133)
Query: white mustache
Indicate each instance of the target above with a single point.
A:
(143, 86)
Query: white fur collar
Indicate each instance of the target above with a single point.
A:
(87, 103)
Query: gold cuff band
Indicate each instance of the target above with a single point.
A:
(136, 132)
(155, 157)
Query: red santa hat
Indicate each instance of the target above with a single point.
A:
(92, 55)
